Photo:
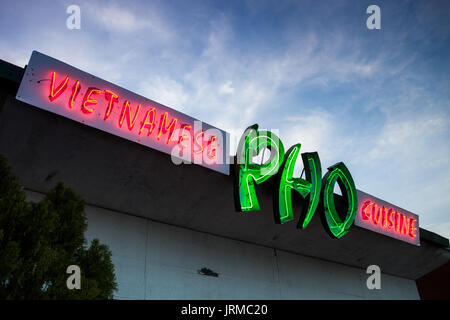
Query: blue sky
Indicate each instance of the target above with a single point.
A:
(378, 100)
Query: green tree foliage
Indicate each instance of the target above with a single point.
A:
(38, 241)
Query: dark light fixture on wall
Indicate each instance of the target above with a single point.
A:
(207, 272)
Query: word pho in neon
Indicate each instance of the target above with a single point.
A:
(317, 192)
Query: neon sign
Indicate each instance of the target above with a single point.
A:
(382, 217)
(54, 86)
(59, 88)
(317, 192)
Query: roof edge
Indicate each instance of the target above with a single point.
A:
(433, 238)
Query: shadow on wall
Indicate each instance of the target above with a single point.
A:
(436, 284)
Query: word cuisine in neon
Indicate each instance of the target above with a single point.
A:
(388, 219)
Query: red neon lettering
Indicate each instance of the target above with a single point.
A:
(126, 113)
(59, 90)
(383, 217)
(365, 213)
(183, 135)
(398, 221)
(75, 90)
(164, 129)
(212, 151)
(112, 98)
(412, 228)
(201, 133)
(148, 124)
(87, 101)
(376, 214)
(390, 219)
(405, 225)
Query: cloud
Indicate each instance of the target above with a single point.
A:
(166, 91)
(372, 100)
(443, 228)
(120, 19)
(226, 88)
(14, 55)
(313, 130)
(126, 20)
(404, 138)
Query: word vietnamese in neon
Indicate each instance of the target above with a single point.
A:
(380, 216)
(104, 101)
(317, 192)
(54, 86)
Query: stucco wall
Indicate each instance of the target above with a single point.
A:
(159, 261)
(111, 172)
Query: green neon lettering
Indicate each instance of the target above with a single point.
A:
(338, 224)
(308, 189)
(337, 218)
(248, 173)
